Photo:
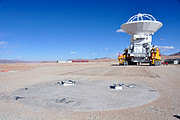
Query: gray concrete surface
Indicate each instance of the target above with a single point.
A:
(85, 95)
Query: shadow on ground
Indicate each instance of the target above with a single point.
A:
(176, 116)
(129, 65)
(115, 65)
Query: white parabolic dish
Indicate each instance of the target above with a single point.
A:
(141, 27)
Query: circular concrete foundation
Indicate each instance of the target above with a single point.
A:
(87, 95)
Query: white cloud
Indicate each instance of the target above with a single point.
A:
(2, 42)
(116, 54)
(104, 48)
(165, 47)
(94, 53)
(19, 57)
(162, 39)
(120, 31)
(72, 52)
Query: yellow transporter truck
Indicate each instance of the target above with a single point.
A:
(154, 59)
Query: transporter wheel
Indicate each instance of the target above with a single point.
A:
(151, 64)
(125, 63)
(157, 63)
(130, 63)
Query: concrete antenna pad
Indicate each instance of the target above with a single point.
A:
(87, 95)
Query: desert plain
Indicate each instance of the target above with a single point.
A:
(157, 96)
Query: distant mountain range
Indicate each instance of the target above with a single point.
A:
(90, 59)
(10, 61)
(172, 56)
(175, 54)
(102, 58)
(105, 59)
(16, 61)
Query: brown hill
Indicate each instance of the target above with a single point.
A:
(16, 61)
(175, 54)
(164, 57)
(11, 61)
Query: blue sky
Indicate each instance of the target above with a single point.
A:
(65, 29)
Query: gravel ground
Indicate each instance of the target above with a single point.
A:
(164, 79)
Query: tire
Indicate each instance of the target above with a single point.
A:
(125, 63)
(157, 63)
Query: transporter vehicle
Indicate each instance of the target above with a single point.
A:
(141, 27)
